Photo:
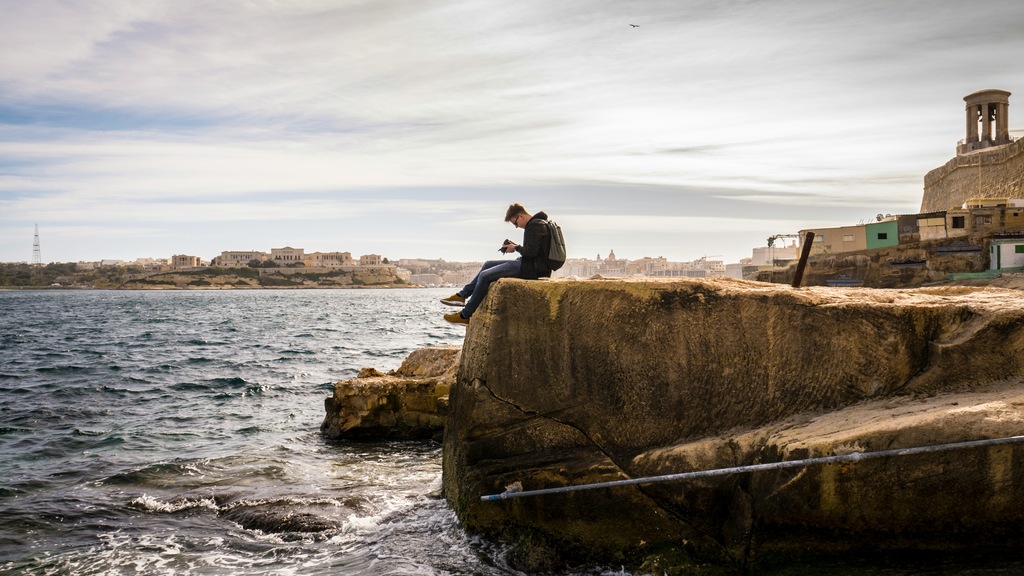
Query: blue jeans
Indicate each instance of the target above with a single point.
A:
(477, 288)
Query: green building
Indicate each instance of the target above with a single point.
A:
(882, 234)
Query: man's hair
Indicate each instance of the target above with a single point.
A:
(514, 210)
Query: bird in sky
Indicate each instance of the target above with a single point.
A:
(635, 25)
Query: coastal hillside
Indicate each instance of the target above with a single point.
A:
(226, 278)
(135, 278)
(564, 383)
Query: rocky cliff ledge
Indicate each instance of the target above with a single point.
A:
(566, 383)
(408, 403)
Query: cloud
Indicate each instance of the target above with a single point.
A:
(243, 112)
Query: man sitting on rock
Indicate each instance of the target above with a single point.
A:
(531, 264)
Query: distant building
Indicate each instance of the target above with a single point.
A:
(610, 267)
(709, 267)
(931, 226)
(985, 217)
(882, 234)
(185, 261)
(682, 273)
(151, 263)
(426, 279)
(773, 255)
(329, 259)
(1005, 254)
(459, 277)
(741, 269)
(647, 266)
(837, 240)
(287, 255)
(238, 258)
(614, 267)
(371, 260)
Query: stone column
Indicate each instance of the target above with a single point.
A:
(986, 122)
(972, 124)
(1002, 122)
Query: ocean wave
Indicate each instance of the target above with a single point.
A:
(80, 432)
(190, 387)
(169, 552)
(279, 515)
(13, 430)
(228, 381)
(150, 504)
(216, 384)
(162, 368)
(64, 369)
(207, 472)
(88, 441)
(204, 342)
(253, 390)
(105, 391)
(160, 474)
(297, 352)
(10, 491)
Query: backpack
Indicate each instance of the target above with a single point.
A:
(556, 247)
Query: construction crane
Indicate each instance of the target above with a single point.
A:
(771, 245)
(702, 262)
(774, 237)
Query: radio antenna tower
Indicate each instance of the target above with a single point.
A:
(37, 255)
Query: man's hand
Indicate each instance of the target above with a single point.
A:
(508, 247)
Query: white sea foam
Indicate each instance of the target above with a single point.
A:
(151, 504)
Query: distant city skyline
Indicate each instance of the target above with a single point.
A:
(393, 258)
(145, 129)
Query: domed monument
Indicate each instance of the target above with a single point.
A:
(989, 163)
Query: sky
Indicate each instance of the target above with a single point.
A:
(681, 129)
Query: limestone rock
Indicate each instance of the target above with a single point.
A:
(411, 402)
(572, 382)
(369, 372)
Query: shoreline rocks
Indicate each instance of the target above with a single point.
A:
(408, 403)
(566, 383)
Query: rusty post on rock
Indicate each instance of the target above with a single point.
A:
(804, 253)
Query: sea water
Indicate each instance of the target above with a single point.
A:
(177, 432)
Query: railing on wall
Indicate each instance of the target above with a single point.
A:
(963, 141)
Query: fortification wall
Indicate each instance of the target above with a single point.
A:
(994, 173)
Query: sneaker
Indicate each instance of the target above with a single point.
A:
(456, 318)
(454, 300)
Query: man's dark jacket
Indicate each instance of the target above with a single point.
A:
(534, 249)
